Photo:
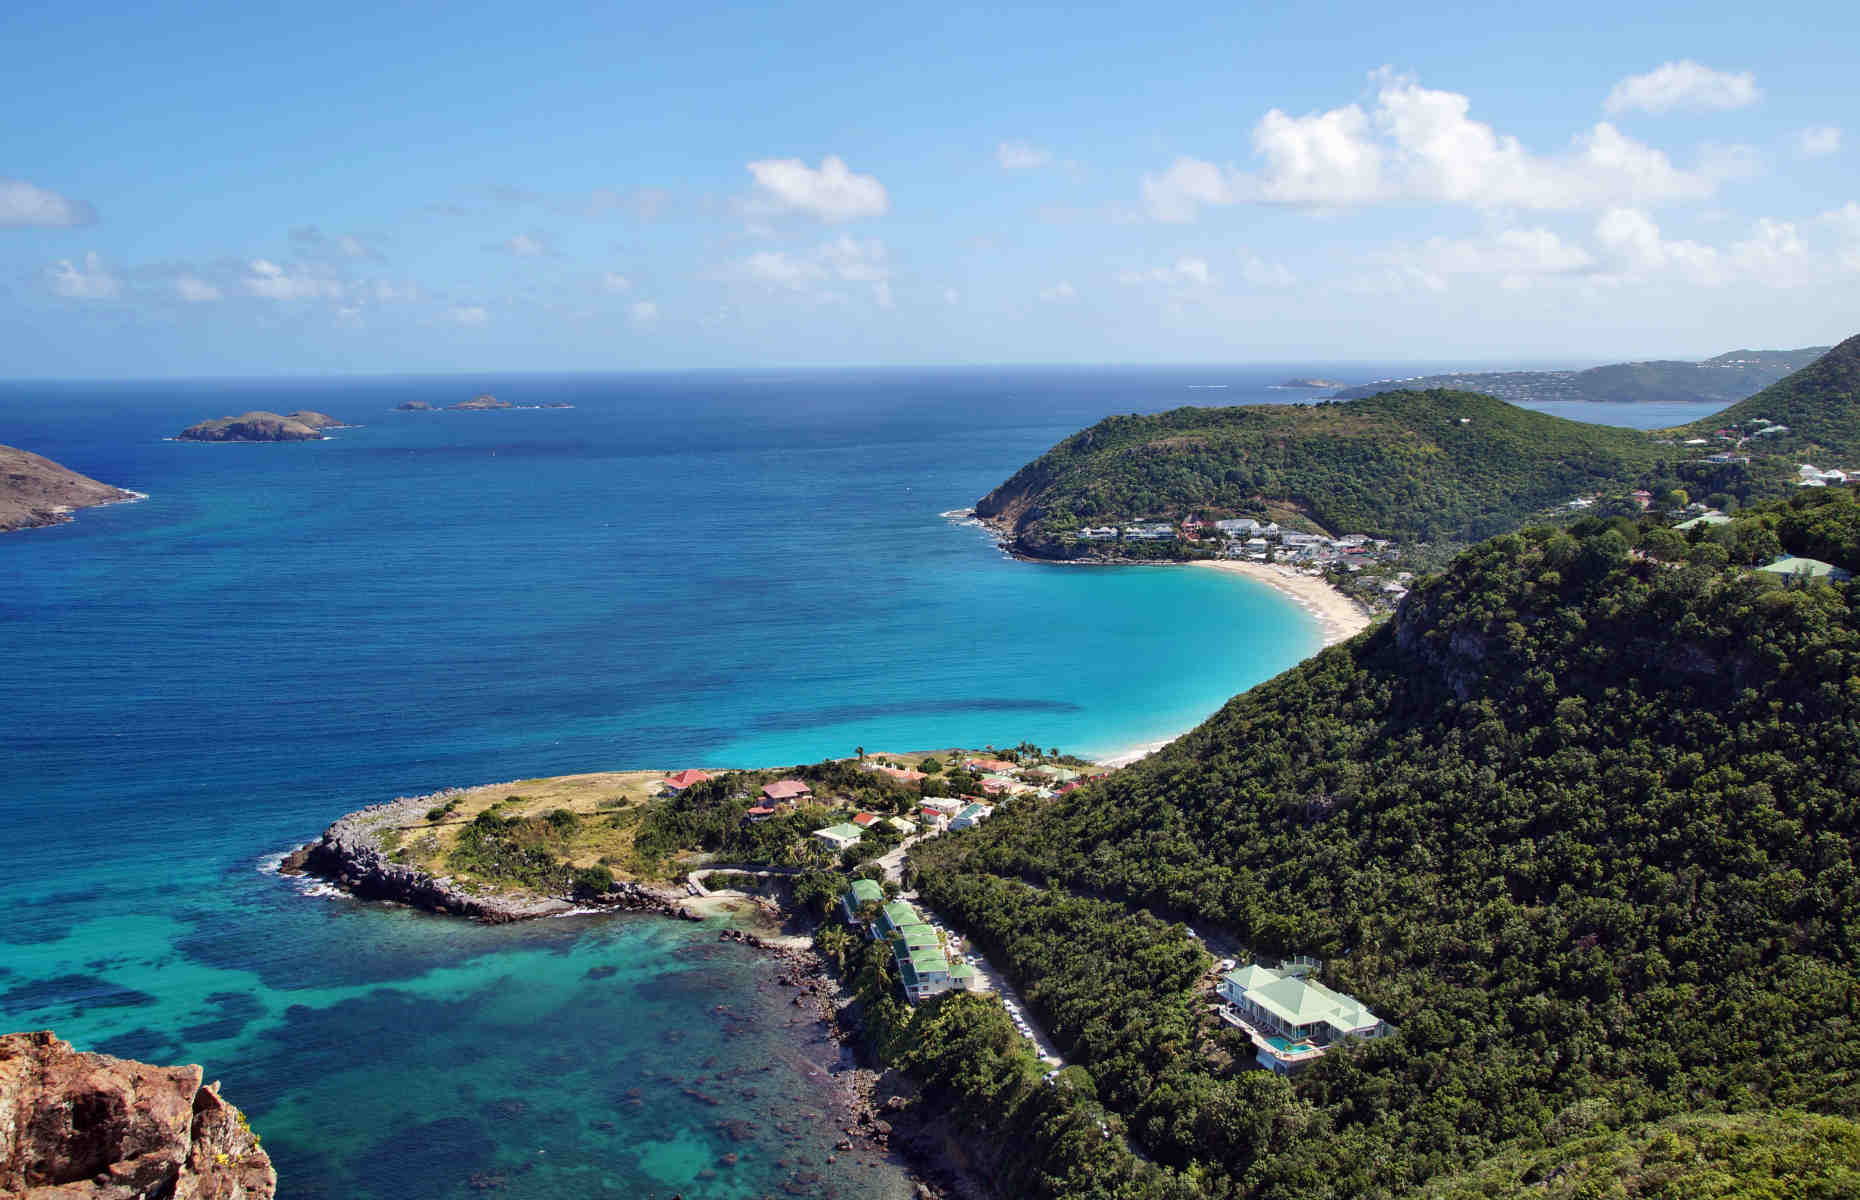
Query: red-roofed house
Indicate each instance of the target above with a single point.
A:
(786, 791)
(988, 765)
(865, 820)
(760, 812)
(674, 784)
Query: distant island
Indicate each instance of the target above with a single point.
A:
(35, 491)
(1310, 383)
(1726, 378)
(413, 406)
(261, 426)
(479, 403)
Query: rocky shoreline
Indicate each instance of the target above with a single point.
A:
(349, 855)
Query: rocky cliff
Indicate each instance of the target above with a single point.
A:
(90, 1127)
(479, 403)
(250, 427)
(36, 491)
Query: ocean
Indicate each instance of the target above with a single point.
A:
(684, 569)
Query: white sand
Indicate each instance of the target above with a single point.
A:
(1338, 617)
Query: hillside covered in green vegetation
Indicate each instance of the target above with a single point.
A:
(1412, 466)
(1820, 404)
(1725, 378)
(1579, 821)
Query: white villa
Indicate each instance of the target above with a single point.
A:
(1292, 1019)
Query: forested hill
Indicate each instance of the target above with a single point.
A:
(1403, 465)
(1724, 378)
(1580, 821)
(1820, 404)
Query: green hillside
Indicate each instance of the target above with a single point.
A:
(1820, 404)
(1413, 465)
(1403, 465)
(1579, 821)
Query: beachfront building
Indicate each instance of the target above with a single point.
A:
(861, 893)
(786, 791)
(1291, 1018)
(676, 785)
(1158, 532)
(840, 836)
(1099, 533)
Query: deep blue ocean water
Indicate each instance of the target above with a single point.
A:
(715, 568)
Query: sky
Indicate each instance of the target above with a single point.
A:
(240, 189)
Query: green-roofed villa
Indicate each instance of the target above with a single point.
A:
(1710, 518)
(861, 893)
(840, 836)
(1807, 568)
(1290, 1018)
(917, 952)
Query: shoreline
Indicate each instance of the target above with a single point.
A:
(1339, 619)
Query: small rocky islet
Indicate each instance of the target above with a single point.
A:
(261, 426)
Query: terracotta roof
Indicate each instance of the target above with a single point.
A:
(865, 819)
(786, 789)
(685, 779)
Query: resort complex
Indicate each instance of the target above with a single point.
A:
(918, 950)
(1291, 1018)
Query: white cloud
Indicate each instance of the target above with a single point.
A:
(91, 281)
(813, 272)
(614, 283)
(643, 311)
(267, 279)
(1178, 194)
(469, 315)
(1421, 145)
(27, 206)
(195, 291)
(1515, 257)
(1059, 293)
(1184, 272)
(1686, 85)
(832, 193)
(1818, 141)
(1021, 156)
(523, 245)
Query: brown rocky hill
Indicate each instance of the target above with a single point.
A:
(90, 1127)
(36, 491)
(315, 420)
(250, 427)
(479, 403)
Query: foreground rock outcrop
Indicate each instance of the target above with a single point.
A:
(36, 491)
(256, 426)
(91, 1127)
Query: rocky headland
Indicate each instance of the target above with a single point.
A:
(91, 1127)
(351, 855)
(480, 403)
(315, 420)
(36, 491)
(257, 426)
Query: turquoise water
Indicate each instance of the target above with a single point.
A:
(710, 568)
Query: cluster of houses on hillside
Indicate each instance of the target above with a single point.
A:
(1246, 537)
(1788, 565)
(1734, 435)
(1291, 1018)
(918, 951)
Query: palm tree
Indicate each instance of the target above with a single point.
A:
(860, 751)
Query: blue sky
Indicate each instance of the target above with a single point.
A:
(222, 189)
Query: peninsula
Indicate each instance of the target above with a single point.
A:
(91, 1127)
(35, 491)
(257, 426)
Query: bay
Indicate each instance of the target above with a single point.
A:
(705, 568)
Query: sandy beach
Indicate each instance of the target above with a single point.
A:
(1338, 617)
